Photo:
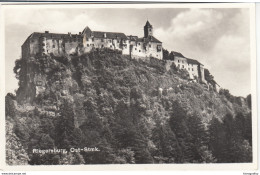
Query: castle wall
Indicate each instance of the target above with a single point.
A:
(141, 50)
(202, 73)
(137, 49)
(90, 42)
(54, 46)
(71, 47)
(193, 70)
(152, 50)
(181, 62)
(34, 46)
(30, 47)
(26, 49)
(125, 47)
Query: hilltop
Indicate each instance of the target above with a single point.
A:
(133, 110)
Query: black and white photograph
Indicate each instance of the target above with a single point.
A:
(152, 84)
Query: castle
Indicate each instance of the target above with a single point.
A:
(65, 44)
(194, 68)
(87, 40)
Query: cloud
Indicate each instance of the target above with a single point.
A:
(218, 38)
(54, 20)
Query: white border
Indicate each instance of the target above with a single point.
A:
(234, 166)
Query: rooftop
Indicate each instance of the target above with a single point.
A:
(110, 35)
(192, 61)
(177, 54)
(148, 24)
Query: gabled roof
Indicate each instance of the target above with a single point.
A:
(149, 39)
(110, 35)
(87, 30)
(153, 39)
(132, 38)
(192, 61)
(189, 60)
(177, 54)
(148, 24)
(52, 35)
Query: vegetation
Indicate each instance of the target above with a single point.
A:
(114, 103)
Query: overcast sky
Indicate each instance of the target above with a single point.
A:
(218, 38)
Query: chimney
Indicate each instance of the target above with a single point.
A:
(105, 35)
(46, 31)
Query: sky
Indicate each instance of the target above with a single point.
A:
(218, 38)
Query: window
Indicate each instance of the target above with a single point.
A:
(188, 68)
(182, 61)
(110, 46)
(53, 46)
(150, 45)
(87, 39)
(139, 44)
(139, 50)
(102, 46)
(110, 41)
(92, 39)
(192, 69)
(102, 40)
(135, 48)
(87, 45)
(178, 65)
(159, 48)
(178, 61)
(150, 30)
(182, 66)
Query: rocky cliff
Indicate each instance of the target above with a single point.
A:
(135, 111)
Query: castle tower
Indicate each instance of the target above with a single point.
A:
(148, 29)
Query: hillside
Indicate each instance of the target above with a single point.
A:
(133, 111)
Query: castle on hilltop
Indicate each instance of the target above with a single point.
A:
(148, 46)
(65, 44)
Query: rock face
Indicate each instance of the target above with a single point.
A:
(54, 79)
(101, 92)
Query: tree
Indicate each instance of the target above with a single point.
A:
(167, 149)
(208, 77)
(217, 139)
(9, 105)
(249, 101)
(15, 153)
(65, 126)
(165, 54)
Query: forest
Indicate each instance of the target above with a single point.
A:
(107, 100)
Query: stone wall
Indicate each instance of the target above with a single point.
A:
(26, 49)
(140, 49)
(90, 42)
